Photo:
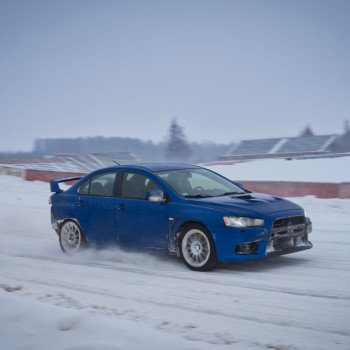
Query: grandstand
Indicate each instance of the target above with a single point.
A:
(47, 164)
(69, 162)
(286, 147)
(105, 159)
(82, 161)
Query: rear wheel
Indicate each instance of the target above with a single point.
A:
(71, 237)
(197, 248)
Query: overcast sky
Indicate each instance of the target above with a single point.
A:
(227, 69)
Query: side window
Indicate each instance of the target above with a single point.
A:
(84, 188)
(135, 185)
(99, 185)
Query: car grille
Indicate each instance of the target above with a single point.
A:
(291, 226)
(287, 233)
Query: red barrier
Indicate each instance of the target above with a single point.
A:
(47, 176)
(344, 190)
(299, 189)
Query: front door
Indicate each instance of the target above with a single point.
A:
(140, 222)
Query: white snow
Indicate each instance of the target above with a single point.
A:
(110, 299)
(334, 170)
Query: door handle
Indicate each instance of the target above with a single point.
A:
(121, 207)
(80, 203)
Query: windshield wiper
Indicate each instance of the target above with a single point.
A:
(229, 193)
(197, 196)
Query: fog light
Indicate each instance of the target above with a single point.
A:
(247, 248)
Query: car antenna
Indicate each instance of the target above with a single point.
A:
(116, 162)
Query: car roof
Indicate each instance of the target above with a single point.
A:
(155, 166)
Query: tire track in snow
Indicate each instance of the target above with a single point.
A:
(175, 275)
(256, 318)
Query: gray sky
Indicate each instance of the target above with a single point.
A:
(228, 70)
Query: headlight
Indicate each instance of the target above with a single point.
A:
(241, 221)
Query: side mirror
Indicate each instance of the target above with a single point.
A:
(155, 196)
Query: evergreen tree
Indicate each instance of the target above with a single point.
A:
(307, 131)
(177, 147)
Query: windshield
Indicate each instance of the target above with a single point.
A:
(198, 183)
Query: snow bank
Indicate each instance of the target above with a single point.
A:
(334, 170)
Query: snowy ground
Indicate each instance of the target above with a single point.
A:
(308, 170)
(110, 299)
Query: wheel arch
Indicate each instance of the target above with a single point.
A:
(196, 255)
(63, 221)
(181, 229)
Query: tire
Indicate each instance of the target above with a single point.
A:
(71, 237)
(197, 248)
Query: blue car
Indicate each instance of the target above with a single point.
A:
(180, 209)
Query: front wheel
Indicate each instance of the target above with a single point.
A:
(71, 237)
(197, 248)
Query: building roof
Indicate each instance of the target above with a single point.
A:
(280, 147)
(29, 160)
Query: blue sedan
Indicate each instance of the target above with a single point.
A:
(180, 209)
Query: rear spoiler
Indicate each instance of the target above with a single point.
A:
(54, 183)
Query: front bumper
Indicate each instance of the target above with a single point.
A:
(251, 242)
(233, 244)
(294, 249)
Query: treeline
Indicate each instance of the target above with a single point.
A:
(148, 151)
(175, 148)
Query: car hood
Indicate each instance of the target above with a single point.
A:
(249, 204)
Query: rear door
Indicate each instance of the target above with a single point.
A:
(95, 208)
